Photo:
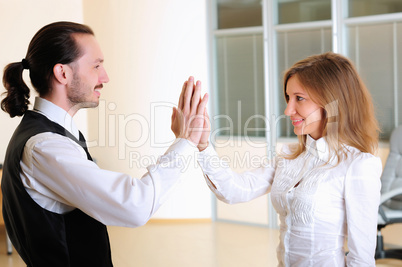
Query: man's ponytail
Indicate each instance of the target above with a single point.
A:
(17, 100)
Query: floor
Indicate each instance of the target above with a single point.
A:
(196, 245)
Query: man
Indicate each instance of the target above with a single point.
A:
(56, 200)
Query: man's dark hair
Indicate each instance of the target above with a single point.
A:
(51, 45)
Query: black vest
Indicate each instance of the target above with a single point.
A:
(44, 238)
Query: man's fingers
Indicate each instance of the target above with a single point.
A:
(181, 98)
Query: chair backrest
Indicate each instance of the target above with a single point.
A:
(392, 175)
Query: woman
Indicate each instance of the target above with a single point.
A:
(326, 189)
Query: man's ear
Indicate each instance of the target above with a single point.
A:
(62, 73)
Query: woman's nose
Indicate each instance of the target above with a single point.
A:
(290, 110)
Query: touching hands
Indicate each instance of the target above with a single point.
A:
(190, 119)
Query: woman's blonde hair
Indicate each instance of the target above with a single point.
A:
(332, 82)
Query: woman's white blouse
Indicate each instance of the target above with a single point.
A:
(319, 205)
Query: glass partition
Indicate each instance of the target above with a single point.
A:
(398, 57)
(378, 51)
(358, 8)
(241, 85)
(295, 11)
(239, 13)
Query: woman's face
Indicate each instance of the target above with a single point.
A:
(306, 115)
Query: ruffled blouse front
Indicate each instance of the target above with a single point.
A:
(319, 202)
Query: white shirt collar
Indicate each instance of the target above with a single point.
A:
(320, 149)
(56, 114)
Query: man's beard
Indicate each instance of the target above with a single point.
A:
(76, 94)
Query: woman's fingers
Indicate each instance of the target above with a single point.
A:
(203, 105)
(188, 93)
(207, 123)
(196, 98)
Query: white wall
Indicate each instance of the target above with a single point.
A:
(19, 21)
(150, 48)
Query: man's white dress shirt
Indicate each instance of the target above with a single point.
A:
(319, 204)
(58, 176)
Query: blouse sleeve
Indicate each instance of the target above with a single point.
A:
(231, 187)
(362, 198)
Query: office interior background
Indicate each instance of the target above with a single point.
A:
(239, 49)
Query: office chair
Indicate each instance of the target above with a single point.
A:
(9, 245)
(390, 210)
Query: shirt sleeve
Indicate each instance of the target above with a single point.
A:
(61, 171)
(231, 187)
(362, 198)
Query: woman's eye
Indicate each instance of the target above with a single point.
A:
(299, 98)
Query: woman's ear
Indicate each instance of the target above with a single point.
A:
(62, 73)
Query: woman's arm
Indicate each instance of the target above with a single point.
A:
(362, 197)
(231, 187)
